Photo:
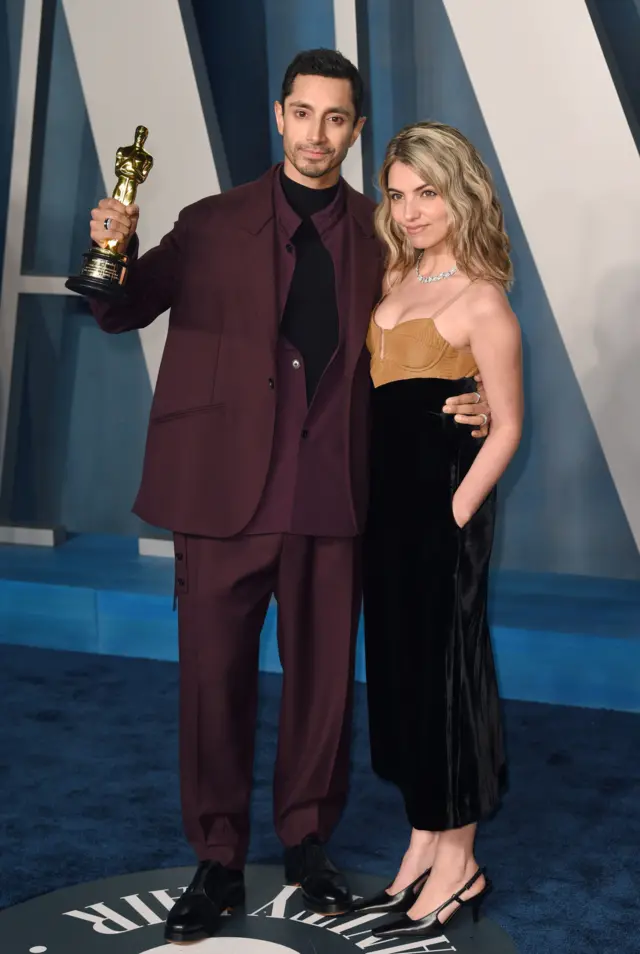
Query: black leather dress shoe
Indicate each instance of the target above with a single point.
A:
(196, 915)
(324, 888)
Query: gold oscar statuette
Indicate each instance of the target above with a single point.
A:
(104, 270)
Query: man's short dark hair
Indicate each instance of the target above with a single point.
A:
(329, 63)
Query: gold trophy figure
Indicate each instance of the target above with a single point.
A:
(104, 272)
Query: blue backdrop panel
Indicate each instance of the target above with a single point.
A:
(233, 37)
(10, 30)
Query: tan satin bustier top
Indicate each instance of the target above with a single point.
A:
(415, 349)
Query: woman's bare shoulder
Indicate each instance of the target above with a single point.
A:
(487, 302)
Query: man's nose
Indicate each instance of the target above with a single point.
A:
(316, 132)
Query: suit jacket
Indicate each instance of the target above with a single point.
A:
(211, 427)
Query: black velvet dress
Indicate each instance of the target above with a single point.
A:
(434, 709)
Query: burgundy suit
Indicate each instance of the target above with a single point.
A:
(264, 495)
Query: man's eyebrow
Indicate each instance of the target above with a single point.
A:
(334, 109)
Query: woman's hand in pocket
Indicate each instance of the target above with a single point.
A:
(461, 513)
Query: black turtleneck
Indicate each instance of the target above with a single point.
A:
(310, 320)
(305, 201)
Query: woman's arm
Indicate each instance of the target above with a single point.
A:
(494, 337)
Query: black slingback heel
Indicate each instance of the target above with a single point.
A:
(386, 903)
(431, 924)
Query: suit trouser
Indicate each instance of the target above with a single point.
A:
(224, 588)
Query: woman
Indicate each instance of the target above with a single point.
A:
(433, 697)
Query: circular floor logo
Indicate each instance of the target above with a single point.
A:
(232, 945)
(126, 915)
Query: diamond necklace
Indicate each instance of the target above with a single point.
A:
(426, 279)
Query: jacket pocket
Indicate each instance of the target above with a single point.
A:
(187, 374)
(185, 412)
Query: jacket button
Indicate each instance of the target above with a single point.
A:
(289, 247)
(180, 581)
(178, 556)
(295, 364)
(272, 383)
(305, 434)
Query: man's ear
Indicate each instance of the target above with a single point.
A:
(357, 129)
(279, 114)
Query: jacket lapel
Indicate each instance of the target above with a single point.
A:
(250, 258)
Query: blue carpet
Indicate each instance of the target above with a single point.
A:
(88, 774)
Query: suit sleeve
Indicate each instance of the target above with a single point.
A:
(151, 284)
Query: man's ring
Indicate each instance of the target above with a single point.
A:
(107, 225)
(485, 420)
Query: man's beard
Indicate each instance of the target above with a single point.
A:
(314, 170)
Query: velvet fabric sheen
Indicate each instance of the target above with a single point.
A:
(433, 696)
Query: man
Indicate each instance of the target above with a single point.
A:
(256, 459)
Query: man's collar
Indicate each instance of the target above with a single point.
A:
(256, 204)
(323, 220)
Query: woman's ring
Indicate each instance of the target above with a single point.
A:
(485, 420)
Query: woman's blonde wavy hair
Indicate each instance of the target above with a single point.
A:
(445, 159)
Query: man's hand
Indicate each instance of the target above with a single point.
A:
(471, 409)
(121, 219)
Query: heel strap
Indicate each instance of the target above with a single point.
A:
(456, 897)
(470, 883)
